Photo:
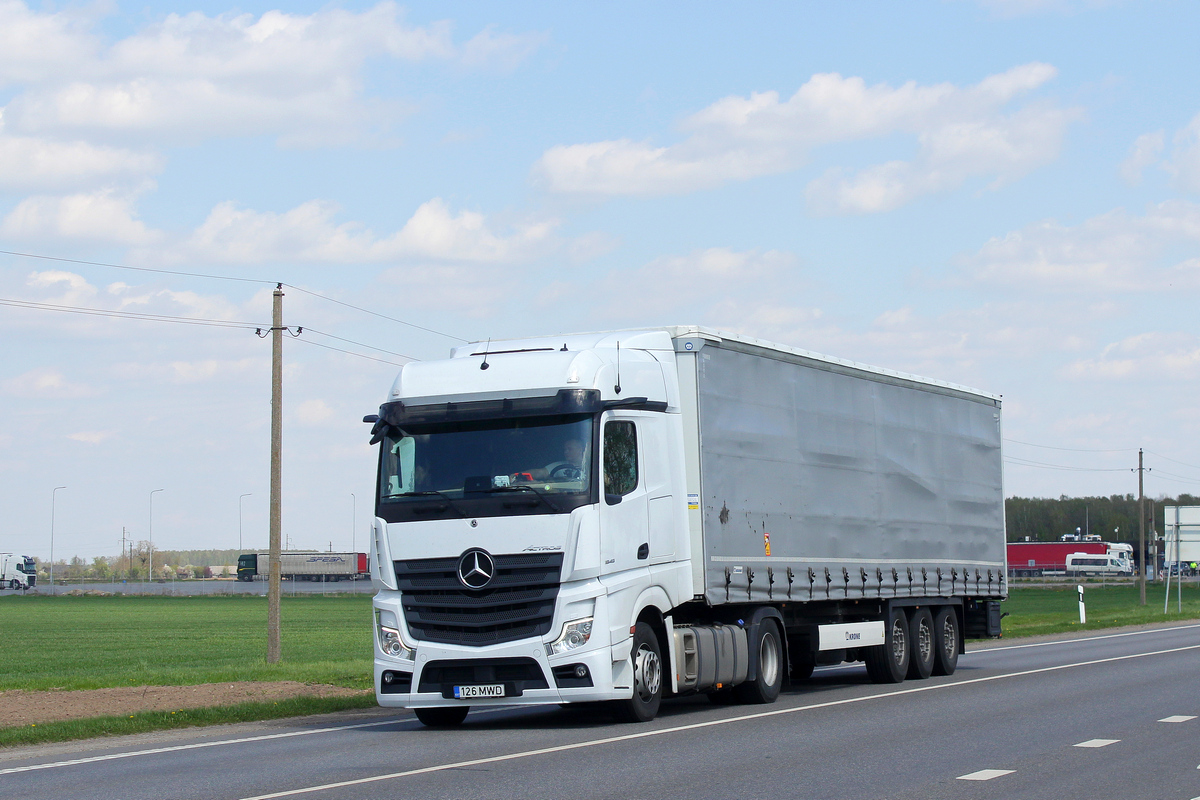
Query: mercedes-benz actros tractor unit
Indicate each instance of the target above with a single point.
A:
(631, 515)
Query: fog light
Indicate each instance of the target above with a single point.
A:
(580, 671)
(388, 677)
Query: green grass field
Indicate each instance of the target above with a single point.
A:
(1034, 610)
(97, 642)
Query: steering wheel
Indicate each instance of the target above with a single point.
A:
(564, 471)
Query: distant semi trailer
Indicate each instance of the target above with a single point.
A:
(305, 566)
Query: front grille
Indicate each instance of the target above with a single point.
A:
(517, 675)
(517, 604)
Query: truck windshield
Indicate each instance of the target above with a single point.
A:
(521, 465)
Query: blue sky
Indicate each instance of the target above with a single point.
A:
(1002, 194)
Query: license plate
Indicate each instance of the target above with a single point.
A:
(491, 690)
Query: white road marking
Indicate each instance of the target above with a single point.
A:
(985, 775)
(1097, 743)
(1084, 639)
(706, 724)
(193, 746)
(1176, 718)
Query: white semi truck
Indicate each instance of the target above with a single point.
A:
(632, 515)
(17, 572)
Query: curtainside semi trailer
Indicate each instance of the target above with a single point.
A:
(304, 565)
(632, 515)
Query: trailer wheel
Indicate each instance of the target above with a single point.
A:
(945, 641)
(13, 584)
(924, 652)
(445, 717)
(647, 678)
(888, 662)
(802, 661)
(769, 677)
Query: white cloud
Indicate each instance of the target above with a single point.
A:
(90, 437)
(193, 76)
(309, 232)
(501, 50)
(314, 412)
(1154, 356)
(36, 46)
(105, 216)
(43, 383)
(675, 284)
(1145, 151)
(961, 132)
(30, 163)
(1110, 252)
(1184, 164)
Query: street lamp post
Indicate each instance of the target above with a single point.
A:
(52, 494)
(150, 535)
(353, 525)
(247, 494)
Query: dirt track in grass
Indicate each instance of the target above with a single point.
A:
(21, 707)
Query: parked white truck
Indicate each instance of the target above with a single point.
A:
(17, 572)
(631, 515)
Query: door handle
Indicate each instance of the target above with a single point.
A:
(644, 551)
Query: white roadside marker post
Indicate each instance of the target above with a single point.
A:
(1082, 610)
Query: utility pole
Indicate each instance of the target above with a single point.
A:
(1141, 533)
(273, 585)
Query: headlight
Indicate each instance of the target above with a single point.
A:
(389, 637)
(574, 635)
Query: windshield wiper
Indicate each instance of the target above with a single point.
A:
(432, 493)
(522, 487)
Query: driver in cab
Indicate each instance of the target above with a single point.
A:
(570, 468)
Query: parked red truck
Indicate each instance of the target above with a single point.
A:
(1031, 559)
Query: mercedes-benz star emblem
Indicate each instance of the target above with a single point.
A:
(476, 568)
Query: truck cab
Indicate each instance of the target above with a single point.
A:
(528, 510)
(17, 572)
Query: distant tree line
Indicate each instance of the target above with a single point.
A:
(1114, 518)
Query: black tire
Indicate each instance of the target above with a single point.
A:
(647, 678)
(445, 717)
(945, 642)
(769, 677)
(921, 639)
(802, 662)
(888, 662)
(13, 584)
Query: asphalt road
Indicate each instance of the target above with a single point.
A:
(1106, 716)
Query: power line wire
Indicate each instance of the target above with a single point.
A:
(1166, 458)
(374, 313)
(135, 269)
(349, 353)
(1067, 449)
(101, 312)
(1021, 462)
(360, 344)
(229, 278)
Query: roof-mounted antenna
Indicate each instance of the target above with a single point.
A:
(617, 388)
(486, 347)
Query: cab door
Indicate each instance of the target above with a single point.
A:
(624, 532)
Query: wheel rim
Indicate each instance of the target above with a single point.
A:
(925, 640)
(949, 638)
(899, 643)
(768, 659)
(647, 671)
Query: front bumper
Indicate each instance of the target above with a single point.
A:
(528, 675)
